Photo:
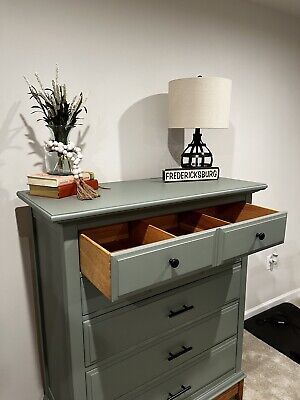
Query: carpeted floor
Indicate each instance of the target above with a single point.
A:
(270, 374)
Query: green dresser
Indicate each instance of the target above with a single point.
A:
(142, 290)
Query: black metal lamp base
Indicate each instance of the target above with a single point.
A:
(196, 154)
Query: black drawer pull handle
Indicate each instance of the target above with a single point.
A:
(180, 353)
(261, 235)
(174, 262)
(184, 309)
(184, 389)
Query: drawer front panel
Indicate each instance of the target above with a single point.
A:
(174, 350)
(243, 238)
(110, 334)
(141, 269)
(193, 375)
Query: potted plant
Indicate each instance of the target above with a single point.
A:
(60, 116)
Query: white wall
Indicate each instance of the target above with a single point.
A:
(122, 54)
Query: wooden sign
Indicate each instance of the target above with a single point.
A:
(189, 175)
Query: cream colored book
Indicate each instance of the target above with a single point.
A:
(43, 179)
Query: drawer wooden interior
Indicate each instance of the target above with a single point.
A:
(185, 223)
(98, 245)
(237, 212)
(124, 236)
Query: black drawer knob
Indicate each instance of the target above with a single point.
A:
(182, 390)
(174, 262)
(261, 235)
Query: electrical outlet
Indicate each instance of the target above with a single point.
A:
(272, 261)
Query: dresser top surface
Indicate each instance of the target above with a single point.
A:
(136, 194)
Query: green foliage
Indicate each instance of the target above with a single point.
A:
(59, 114)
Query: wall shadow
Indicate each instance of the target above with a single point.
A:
(146, 145)
(26, 242)
(37, 148)
(7, 137)
(176, 143)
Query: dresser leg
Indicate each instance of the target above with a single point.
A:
(233, 393)
(240, 390)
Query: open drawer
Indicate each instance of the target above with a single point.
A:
(123, 258)
(252, 228)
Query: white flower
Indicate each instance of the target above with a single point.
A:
(76, 176)
(80, 156)
(73, 158)
(55, 143)
(50, 143)
(76, 161)
(70, 146)
(65, 152)
(69, 154)
(77, 149)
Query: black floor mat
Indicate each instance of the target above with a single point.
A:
(279, 327)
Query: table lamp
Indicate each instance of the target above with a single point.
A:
(202, 102)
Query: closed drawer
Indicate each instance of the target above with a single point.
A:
(172, 351)
(123, 258)
(251, 229)
(187, 379)
(113, 333)
(94, 303)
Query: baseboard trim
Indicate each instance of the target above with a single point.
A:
(293, 294)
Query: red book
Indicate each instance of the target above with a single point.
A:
(70, 189)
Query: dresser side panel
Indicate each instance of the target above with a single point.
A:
(242, 303)
(60, 322)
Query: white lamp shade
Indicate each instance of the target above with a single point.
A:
(199, 102)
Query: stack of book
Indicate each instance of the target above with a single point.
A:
(57, 187)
